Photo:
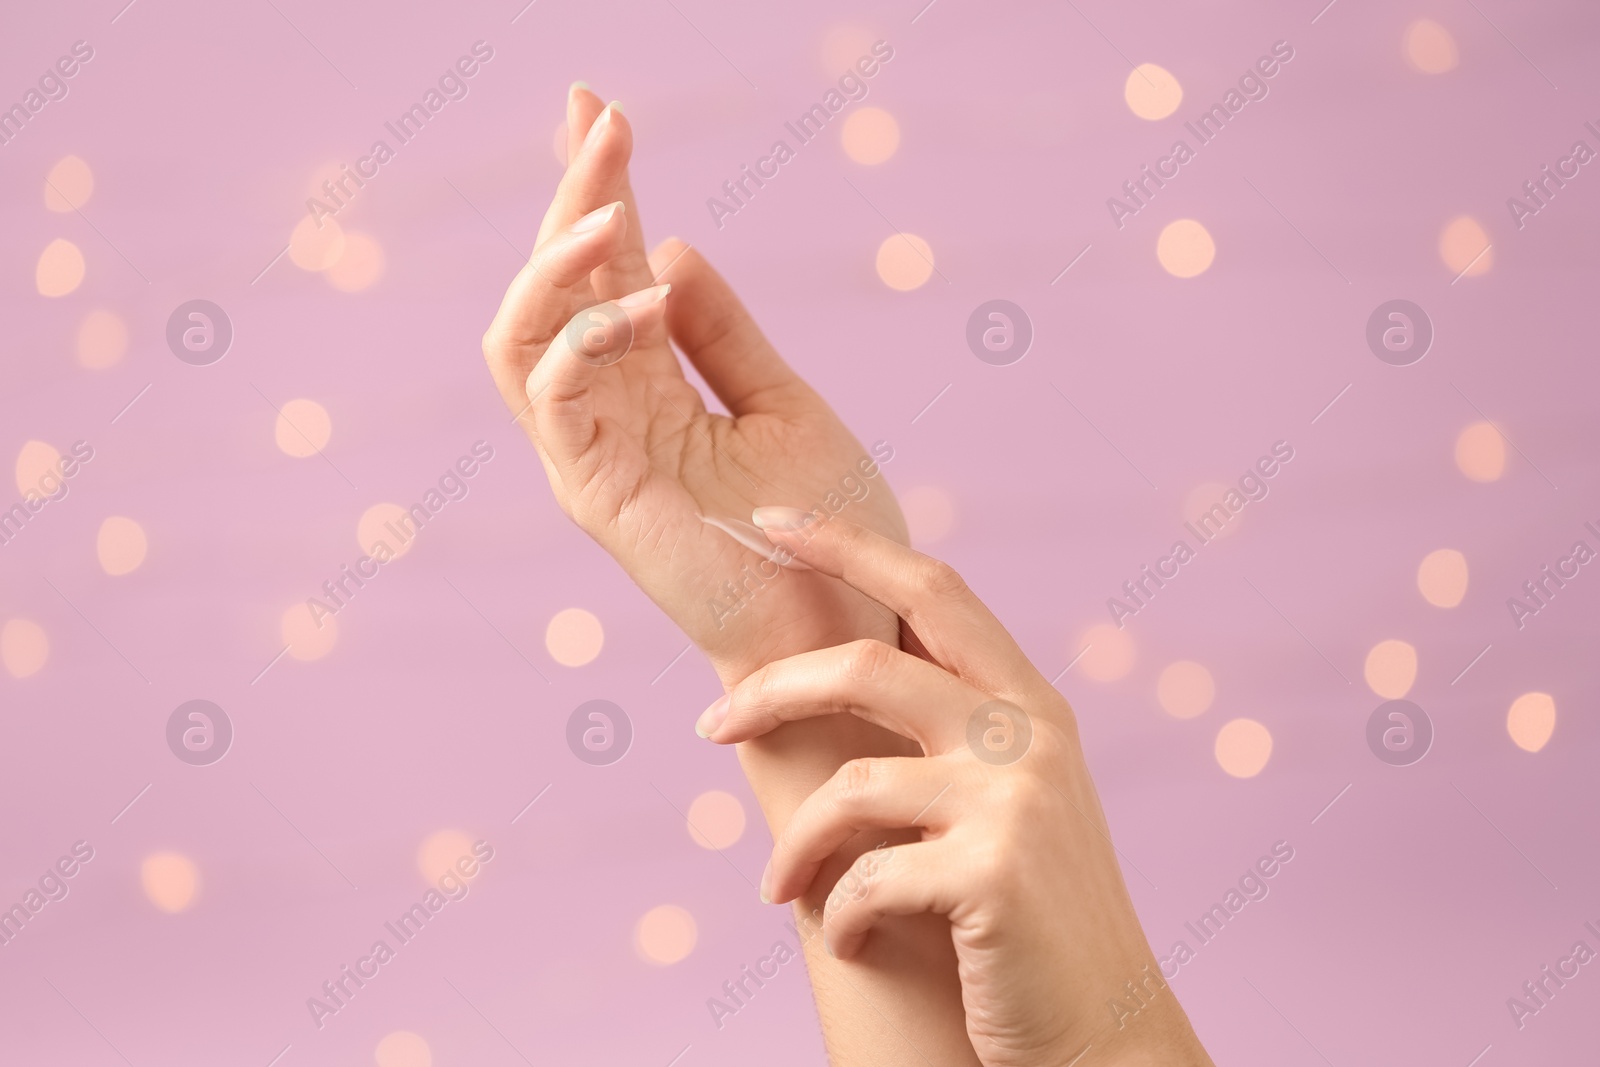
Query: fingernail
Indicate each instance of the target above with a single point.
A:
(600, 123)
(596, 218)
(615, 104)
(828, 945)
(644, 297)
(766, 884)
(575, 86)
(712, 717)
(758, 542)
(780, 519)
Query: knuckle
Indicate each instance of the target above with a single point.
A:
(498, 349)
(761, 690)
(855, 781)
(942, 580)
(1052, 747)
(1020, 796)
(867, 661)
(754, 688)
(849, 537)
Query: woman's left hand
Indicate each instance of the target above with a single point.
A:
(582, 352)
(1014, 847)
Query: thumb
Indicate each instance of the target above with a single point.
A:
(560, 389)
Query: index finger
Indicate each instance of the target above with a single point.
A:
(879, 683)
(959, 632)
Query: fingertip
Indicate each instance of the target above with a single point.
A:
(781, 519)
(583, 107)
(668, 258)
(712, 718)
(609, 116)
(598, 218)
(645, 297)
(842, 945)
(788, 883)
(788, 528)
(646, 309)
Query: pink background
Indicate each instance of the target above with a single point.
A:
(1407, 917)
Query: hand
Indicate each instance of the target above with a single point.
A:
(582, 348)
(1014, 848)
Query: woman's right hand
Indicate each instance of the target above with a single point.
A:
(1014, 849)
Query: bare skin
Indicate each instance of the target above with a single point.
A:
(1014, 849)
(976, 953)
(636, 460)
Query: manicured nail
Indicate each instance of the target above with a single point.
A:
(596, 218)
(780, 519)
(712, 717)
(615, 104)
(600, 123)
(766, 884)
(828, 945)
(575, 86)
(597, 127)
(644, 297)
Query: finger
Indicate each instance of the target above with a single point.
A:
(595, 175)
(583, 107)
(540, 298)
(902, 880)
(947, 617)
(580, 179)
(714, 330)
(864, 794)
(870, 679)
(560, 393)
